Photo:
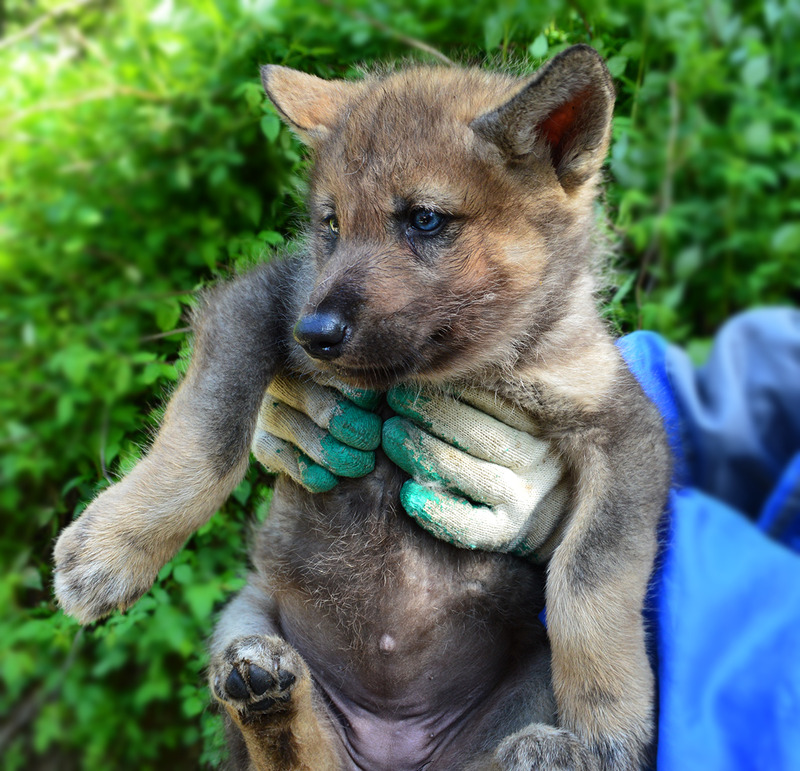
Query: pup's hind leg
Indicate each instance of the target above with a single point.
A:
(266, 689)
(520, 732)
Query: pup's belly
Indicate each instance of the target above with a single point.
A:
(404, 686)
(406, 636)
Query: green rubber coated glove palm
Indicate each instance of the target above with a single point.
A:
(316, 434)
(479, 479)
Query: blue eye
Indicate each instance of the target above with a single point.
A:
(426, 220)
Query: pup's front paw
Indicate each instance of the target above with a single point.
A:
(99, 569)
(256, 675)
(543, 748)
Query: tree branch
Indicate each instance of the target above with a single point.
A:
(33, 28)
(665, 199)
(25, 712)
(90, 96)
(160, 335)
(412, 42)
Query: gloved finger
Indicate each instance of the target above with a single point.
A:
(281, 457)
(467, 428)
(425, 457)
(327, 407)
(455, 520)
(502, 409)
(365, 398)
(298, 429)
(545, 526)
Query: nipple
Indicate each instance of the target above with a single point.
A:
(387, 644)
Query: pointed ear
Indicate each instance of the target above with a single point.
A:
(309, 105)
(563, 113)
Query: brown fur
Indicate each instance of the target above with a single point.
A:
(405, 651)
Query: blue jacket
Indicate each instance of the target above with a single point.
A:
(725, 600)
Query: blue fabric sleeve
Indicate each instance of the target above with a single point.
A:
(740, 412)
(728, 629)
(725, 599)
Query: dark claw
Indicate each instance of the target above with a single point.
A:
(285, 679)
(235, 686)
(260, 680)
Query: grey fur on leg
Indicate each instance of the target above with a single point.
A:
(111, 555)
(543, 748)
(266, 689)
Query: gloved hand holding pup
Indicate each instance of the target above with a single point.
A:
(480, 480)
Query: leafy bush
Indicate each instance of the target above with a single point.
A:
(141, 161)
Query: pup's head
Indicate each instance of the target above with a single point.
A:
(451, 210)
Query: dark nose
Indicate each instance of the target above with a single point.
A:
(321, 334)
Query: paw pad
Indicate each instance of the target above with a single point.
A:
(249, 686)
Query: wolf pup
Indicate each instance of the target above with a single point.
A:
(452, 243)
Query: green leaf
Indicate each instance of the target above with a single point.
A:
(271, 126)
(699, 350)
(616, 65)
(88, 216)
(253, 94)
(786, 239)
(688, 262)
(492, 31)
(756, 71)
(194, 705)
(242, 492)
(271, 237)
(758, 137)
(623, 291)
(182, 574)
(202, 598)
(538, 48)
(168, 314)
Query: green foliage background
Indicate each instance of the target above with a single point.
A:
(139, 161)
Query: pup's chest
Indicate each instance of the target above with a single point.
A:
(384, 612)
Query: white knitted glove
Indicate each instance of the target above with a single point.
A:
(316, 434)
(479, 479)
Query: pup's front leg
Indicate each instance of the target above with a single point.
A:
(596, 583)
(266, 689)
(111, 555)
